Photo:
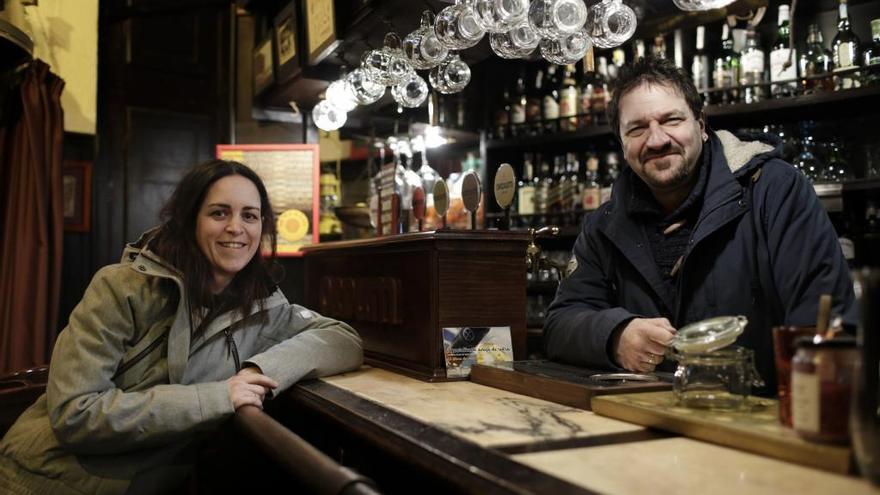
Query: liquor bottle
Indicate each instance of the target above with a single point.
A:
(618, 59)
(783, 60)
(638, 50)
(871, 56)
(559, 187)
(815, 63)
(600, 95)
(576, 187)
(533, 101)
(592, 189)
(587, 84)
(612, 171)
(502, 115)
(845, 49)
(700, 64)
(550, 99)
(544, 192)
(525, 188)
(725, 73)
(568, 99)
(752, 75)
(658, 49)
(518, 104)
(678, 48)
(806, 161)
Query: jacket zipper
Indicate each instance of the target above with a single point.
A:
(232, 349)
(141, 355)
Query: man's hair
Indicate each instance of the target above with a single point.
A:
(650, 70)
(175, 241)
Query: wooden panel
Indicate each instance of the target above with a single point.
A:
(756, 430)
(574, 390)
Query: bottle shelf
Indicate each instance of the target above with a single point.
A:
(557, 137)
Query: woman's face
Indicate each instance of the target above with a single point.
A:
(229, 227)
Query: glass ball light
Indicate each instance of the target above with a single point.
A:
(341, 94)
(365, 87)
(328, 117)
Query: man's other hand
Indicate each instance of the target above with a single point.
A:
(640, 345)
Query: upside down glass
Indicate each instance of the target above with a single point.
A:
(498, 16)
(458, 26)
(557, 18)
(389, 64)
(519, 42)
(421, 47)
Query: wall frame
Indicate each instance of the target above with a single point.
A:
(319, 21)
(263, 66)
(76, 187)
(287, 47)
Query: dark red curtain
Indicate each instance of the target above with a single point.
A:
(31, 222)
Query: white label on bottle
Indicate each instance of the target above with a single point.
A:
(525, 200)
(592, 198)
(700, 72)
(844, 56)
(568, 102)
(551, 108)
(517, 114)
(805, 401)
(753, 61)
(778, 58)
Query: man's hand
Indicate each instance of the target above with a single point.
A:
(641, 344)
(249, 387)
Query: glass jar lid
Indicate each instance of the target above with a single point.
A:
(709, 335)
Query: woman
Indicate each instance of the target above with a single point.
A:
(169, 343)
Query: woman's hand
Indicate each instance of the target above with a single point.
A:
(249, 387)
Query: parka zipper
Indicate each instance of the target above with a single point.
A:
(232, 349)
(141, 355)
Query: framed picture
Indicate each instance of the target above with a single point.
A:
(76, 191)
(263, 71)
(320, 26)
(287, 57)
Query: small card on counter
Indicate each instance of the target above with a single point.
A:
(466, 346)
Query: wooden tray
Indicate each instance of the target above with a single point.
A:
(554, 382)
(756, 430)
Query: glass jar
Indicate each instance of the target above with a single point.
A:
(719, 379)
(822, 372)
(712, 374)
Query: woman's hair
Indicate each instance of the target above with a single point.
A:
(175, 241)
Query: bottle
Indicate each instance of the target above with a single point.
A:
(752, 69)
(638, 50)
(658, 49)
(815, 63)
(550, 99)
(559, 187)
(845, 49)
(533, 101)
(518, 105)
(871, 56)
(725, 73)
(576, 187)
(600, 95)
(618, 59)
(806, 160)
(612, 171)
(783, 60)
(543, 192)
(837, 169)
(700, 64)
(568, 99)
(502, 115)
(587, 83)
(592, 189)
(525, 188)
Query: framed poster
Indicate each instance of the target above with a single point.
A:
(76, 192)
(320, 26)
(287, 60)
(290, 173)
(263, 68)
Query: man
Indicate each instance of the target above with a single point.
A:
(700, 224)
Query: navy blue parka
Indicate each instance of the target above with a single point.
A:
(763, 246)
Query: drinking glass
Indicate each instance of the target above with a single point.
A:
(365, 86)
(557, 18)
(341, 94)
(458, 26)
(451, 76)
(519, 42)
(421, 47)
(389, 63)
(412, 92)
(498, 16)
(695, 5)
(611, 23)
(566, 50)
(327, 116)
(783, 351)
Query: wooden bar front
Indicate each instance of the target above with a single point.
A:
(399, 292)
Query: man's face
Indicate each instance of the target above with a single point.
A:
(662, 139)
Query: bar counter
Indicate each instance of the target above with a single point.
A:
(466, 437)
